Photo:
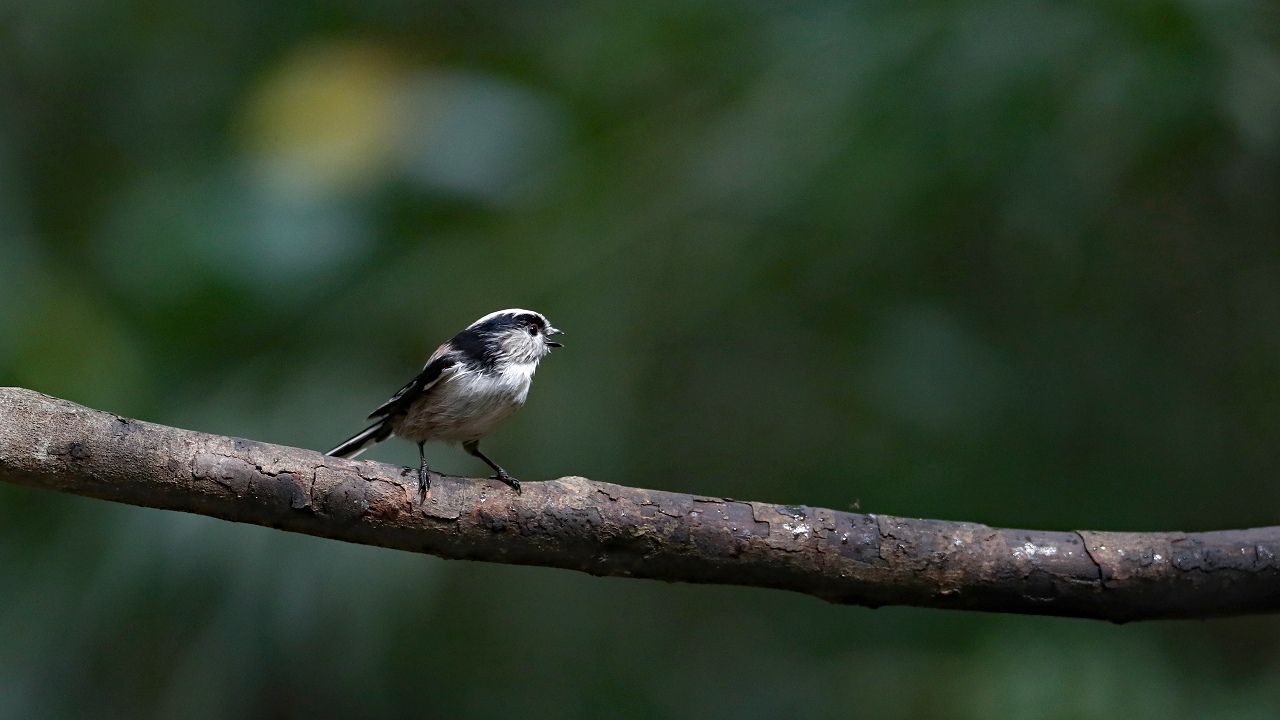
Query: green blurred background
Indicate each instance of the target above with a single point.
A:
(1011, 262)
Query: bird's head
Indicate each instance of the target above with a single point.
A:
(517, 335)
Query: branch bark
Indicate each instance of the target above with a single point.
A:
(605, 529)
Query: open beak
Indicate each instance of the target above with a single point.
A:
(552, 331)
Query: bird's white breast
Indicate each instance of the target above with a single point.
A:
(468, 404)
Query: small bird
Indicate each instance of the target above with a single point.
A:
(469, 387)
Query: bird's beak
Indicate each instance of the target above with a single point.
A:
(552, 331)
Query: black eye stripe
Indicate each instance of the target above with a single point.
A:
(532, 323)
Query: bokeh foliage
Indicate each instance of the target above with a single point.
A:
(1012, 262)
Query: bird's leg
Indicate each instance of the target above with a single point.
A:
(473, 448)
(423, 480)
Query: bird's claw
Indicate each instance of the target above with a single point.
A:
(504, 477)
(424, 484)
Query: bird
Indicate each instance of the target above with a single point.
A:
(470, 386)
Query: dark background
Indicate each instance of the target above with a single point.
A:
(1009, 262)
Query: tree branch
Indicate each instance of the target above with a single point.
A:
(606, 529)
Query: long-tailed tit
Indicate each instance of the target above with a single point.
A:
(468, 388)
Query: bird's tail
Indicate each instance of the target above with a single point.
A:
(362, 441)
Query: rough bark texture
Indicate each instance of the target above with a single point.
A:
(606, 529)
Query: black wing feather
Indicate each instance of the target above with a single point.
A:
(400, 402)
(389, 413)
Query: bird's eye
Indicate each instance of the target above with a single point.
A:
(533, 329)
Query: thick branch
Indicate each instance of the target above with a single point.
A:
(606, 529)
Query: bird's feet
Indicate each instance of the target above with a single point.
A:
(424, 483)
(504, 477)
